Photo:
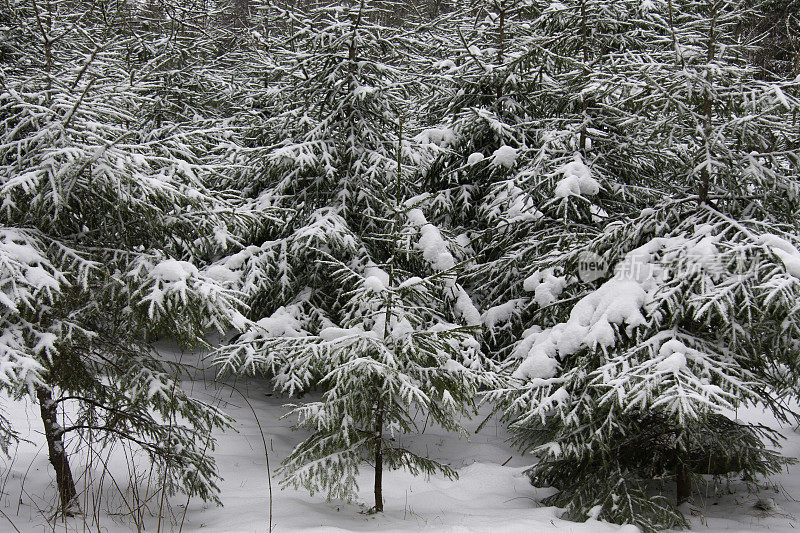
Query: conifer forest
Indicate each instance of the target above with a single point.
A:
(390, 265)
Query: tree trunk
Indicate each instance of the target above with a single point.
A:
(379, 457)
(584, 103)
(501, 46)
(708, 110)
(241, 13)
(67, 494)
(683, 479)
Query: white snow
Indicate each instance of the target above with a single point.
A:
(790, 261)
(501, 313)
(445, 64)
(400, 327)
(577, 180)
(441, 137)
(475, 158)
(331, 334)
(282, 322)
(705, 249)
(617, 302)
(373, 283)
(451, 365)
(410, 282)
(513, 204)
(673, 363)
(13, 245)
(172, 270)
(780, 97)
(487, 497)
(222, 274)
(545, 285)
(538, 365)
(433, 246)
(380, 278)
(522, 210)
(362, 91)
(38, 277)
(786, 252)
(465, 307)
(505, 156)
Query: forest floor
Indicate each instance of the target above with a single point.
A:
(491, 494)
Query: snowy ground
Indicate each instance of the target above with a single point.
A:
(487, 497)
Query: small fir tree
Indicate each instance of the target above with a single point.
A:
(106, 216)
(372, 314)
(654, 352)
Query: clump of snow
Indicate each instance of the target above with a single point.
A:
(374, 284)
(538, 365)
(237, 260)
(617, 301)
(221, 273)
(620, 302)
(159, 386)
(577, 180)
(451, 365)
(463, 240)
(410, 282)
(362, 91)
(465, 308)
(379, 277)
(780, 97)
(790, 261)
(331, 334)
(647, 6)
(283, 322)
(39, 278)
(786, 252)
(673, 357)
(505, 156)
(501, 313)
(704, 252)
(25, 273)
(433, 246)
(14, 246)
(399, 327)
(172, 270)
(591, 324)
(222, 237)
(441, 137)
(475, 158)
(546, 286)
(337, 335)
(522, 209)
(445, 64)
(513, 204)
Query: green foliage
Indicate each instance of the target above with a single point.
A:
(399, 215)
(106, 217)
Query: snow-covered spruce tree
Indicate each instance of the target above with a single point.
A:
(388, 352)
(477, 106)
(357, 293)
(524, 101)
(479, 111)
(632, 376)
(777, 27)
(105, 216)
(588, 159)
